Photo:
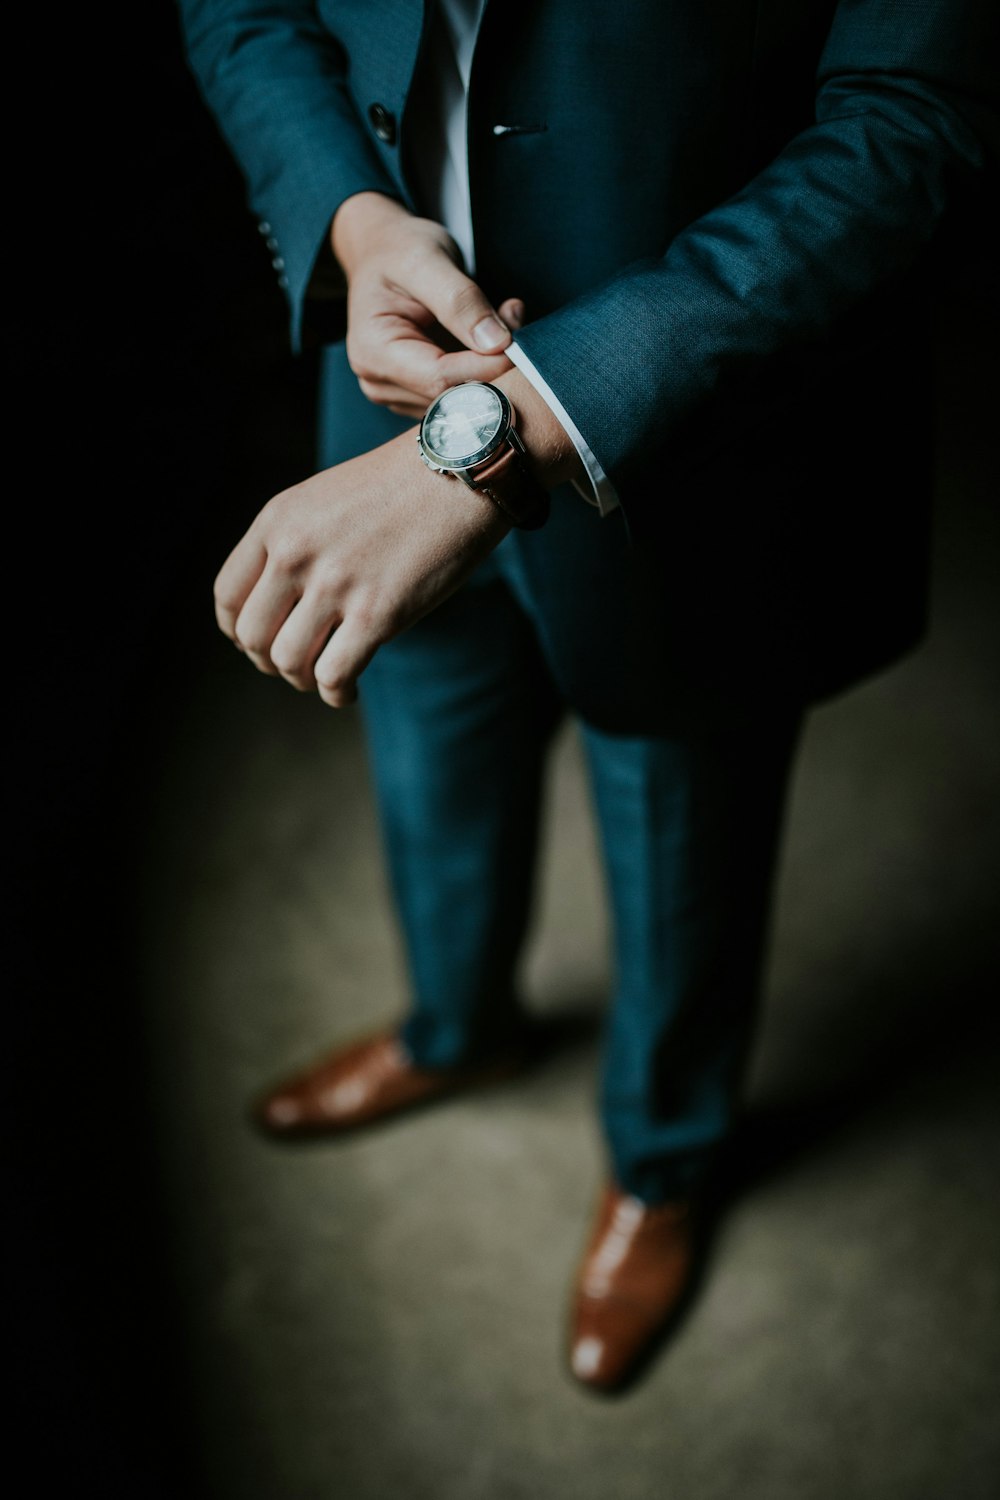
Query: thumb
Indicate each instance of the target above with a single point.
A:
(459, 306)
(512, 313)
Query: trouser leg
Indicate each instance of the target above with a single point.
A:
(458, 712)
(690, 830)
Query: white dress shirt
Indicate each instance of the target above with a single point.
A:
(443, 166)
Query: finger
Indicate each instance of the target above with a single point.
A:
(393, 359)
(512, 312)
(458, 304)
(453, 369)
(264, 612)
(235, 579)
(412, 371)
(348, 652)
(422, 370)
(395, 397)
(301, 639)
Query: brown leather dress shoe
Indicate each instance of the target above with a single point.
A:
(633, 1279)
(363, 1082)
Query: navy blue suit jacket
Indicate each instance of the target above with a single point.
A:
(722, 222)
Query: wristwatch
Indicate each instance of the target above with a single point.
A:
(469, 431)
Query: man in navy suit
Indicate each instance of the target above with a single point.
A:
(654, 281)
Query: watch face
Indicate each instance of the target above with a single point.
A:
(462, 423)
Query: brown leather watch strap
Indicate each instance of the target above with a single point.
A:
(510, 484)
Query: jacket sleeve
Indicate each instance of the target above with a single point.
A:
(275, 80)
(746, 295)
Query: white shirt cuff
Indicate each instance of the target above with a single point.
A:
(601, 492)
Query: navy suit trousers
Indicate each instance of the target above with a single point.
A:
(459, 712)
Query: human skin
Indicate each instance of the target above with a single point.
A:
(333, 567)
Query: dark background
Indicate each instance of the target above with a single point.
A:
(152, 348)
(164, 408)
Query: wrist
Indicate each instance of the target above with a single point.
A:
(358, 221)
(438, 492)
(547, 444)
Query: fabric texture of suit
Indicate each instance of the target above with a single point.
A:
(721, 216)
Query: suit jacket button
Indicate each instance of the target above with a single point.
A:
(383, 123)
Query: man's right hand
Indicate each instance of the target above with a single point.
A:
(416, 323)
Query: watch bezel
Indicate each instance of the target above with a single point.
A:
(462, 466)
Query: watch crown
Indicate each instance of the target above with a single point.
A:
(437, 469)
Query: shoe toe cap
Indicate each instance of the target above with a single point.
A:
(280, 1112)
